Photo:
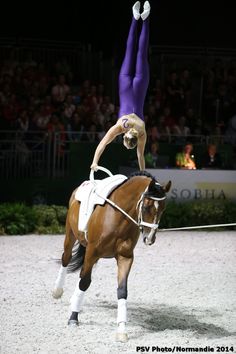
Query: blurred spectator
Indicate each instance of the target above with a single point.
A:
(60, 90)
(77, 97)
(92, 135)
(151, 158)
(69, 107)
(107, 126)
(163, 129)
(92, 98)
(181, 128)
(75, 127)
(175, 94)
(48, 108)
(109, 104)
(103, 114)
(223, 102)
(211, 159)
(185, 159)
(152, 112)
(158, 95)
(186, 87)
(85, 89)
(23, 122)
(191, 118)
(231, 131)
(152, 134)
(169, 120)
(43, 87)
(197, 128)
(55, 126)
(100, 94)
(41, 118)
(217, 134)
(10, 110)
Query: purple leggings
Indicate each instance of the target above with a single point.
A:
(134, 73)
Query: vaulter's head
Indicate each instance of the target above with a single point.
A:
(130, 139)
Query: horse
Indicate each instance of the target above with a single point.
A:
(113, 232)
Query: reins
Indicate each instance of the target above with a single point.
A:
(198, 227)
(140, 223)
(118, 208)
(156, 225)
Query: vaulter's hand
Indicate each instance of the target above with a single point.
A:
(94, 166)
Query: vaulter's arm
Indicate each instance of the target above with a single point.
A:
(108, 138)
(140, 151)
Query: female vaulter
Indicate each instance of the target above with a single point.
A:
(133, 84)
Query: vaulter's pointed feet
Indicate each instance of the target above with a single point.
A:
(136, 10)
(146, 10)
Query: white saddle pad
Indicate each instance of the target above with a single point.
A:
(89, 194)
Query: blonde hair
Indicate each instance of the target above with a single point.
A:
(131, 138)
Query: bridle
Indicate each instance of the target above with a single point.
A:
(141, 223)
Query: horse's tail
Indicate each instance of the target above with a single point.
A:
(77, 259)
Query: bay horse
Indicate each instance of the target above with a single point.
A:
(111, 234)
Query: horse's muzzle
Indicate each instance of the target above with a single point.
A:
(149, 240)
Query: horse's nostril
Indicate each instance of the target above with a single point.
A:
(153, 240)
(147, 241)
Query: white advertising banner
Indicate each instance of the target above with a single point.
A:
(195, 184)
(198, 184)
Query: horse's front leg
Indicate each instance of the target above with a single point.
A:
(124, 265)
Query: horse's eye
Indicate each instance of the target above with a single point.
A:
(147, 208)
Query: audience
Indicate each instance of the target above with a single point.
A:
(175, 94)
(151, 158)
(180, 129)
(75, 127)
(211, 160)
(185, 159)
(60, 90)
(36, 97)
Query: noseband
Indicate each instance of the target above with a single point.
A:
(154, 226)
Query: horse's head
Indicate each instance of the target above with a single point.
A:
(152, 205)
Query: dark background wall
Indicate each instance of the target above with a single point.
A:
(105, 23)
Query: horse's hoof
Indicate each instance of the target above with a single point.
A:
(122, 337)
(57, 293)
(73, 323)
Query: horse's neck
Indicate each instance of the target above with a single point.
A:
(133, 190)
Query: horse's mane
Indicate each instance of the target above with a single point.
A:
(142, 173)
(156, 189)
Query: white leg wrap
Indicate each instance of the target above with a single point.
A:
(61, 277)
(77, 299)
(122, 311)
(121, 327)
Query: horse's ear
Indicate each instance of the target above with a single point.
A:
(167, 187)
(151, 187)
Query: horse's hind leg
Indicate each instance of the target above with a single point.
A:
(124, 265)
(82, 285)
(66, 256)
